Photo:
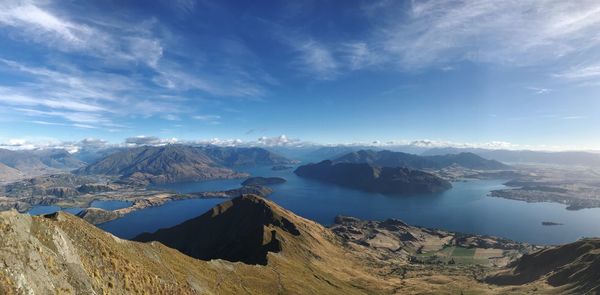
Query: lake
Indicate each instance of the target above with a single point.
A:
(464, 208)
(102, 204)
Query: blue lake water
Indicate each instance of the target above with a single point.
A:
(464, 208)
(102, 204)
(154, 218)
(110, 204)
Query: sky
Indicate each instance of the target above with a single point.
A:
(483, 72)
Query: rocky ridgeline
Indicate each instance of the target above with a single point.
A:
(62, 253)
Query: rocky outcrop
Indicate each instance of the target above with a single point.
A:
(263, 181)
(247, 227)
(98, 216)
(374, 179)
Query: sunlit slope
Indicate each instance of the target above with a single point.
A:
(61, 253)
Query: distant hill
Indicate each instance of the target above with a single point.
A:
(399, 159)
(91, 155)
(58, 158)
(244, 156)
(574, 267)
(37, 162)
(8, 174)
(365, 176)
(160, 164)
(329, 153)
(178, 163)
(527, 157)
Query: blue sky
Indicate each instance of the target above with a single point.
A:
(508, 73)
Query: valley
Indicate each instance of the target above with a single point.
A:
(376, 245)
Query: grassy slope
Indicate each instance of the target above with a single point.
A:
(65, 254)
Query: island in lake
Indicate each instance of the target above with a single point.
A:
(363, 176)
(263, 180)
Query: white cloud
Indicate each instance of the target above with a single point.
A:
(41, 24)
(236, 83)
(281, 140)
(514, 32)
(582, 72)
(219, 142)
(416, 35)
(148, 140)
(36, 22)
(317, 59)
(538, 90)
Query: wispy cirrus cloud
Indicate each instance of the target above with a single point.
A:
(103, 71)
(316, 59)
(508, 32)
(588, 73)
(35, 21)
(421, 35)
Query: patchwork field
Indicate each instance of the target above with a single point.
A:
(462, 255)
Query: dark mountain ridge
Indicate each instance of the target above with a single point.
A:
(236, 230)
(365, 176)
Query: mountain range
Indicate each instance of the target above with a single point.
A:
(179, 163)
(399, 159)
(16, 165)
(569, 158)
